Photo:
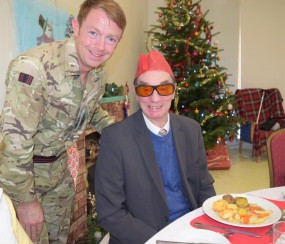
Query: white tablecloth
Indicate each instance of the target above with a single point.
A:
(183, 222)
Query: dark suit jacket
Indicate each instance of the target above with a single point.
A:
(130, 197)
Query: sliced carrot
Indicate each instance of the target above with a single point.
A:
(246, 218)
(253, 209)
(263, 215)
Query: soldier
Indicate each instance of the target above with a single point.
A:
(53, 92)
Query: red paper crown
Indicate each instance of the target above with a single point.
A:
(153, 61)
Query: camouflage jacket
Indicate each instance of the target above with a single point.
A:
(46, 109)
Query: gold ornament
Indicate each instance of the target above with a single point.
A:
(196, 111)
(173, 15)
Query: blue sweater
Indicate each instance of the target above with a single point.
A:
(166, 156)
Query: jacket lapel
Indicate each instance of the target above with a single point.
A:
(180, 143)
(181, 149)
(144, 143)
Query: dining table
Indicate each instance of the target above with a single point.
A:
(274, 195)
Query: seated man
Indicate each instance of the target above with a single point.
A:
(145, 180)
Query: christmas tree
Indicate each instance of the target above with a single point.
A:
(185, 38)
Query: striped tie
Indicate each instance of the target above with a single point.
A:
(162, 132)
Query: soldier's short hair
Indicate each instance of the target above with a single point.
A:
(111, 8)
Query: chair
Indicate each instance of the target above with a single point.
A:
(276, 158)
(258, 106)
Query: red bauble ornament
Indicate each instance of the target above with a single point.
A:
(186, 85)
(169, 7)
(197, 13)
(213, 95)
(174, 2)
(187, 110)
(194, 53)
(163, 25)
(211, 27)
(209, 36)
(164, 47)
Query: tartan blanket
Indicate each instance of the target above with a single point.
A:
(247, 106)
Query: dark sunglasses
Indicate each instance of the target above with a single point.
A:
(162, 90)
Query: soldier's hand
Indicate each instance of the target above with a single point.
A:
(31, 217)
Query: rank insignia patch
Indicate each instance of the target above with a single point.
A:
(27, 79)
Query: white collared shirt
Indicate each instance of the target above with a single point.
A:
(155, 129)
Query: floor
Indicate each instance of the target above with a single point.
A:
(244, 175)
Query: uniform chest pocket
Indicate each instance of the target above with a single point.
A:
(62, 109)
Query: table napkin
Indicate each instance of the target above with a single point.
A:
(239, 238)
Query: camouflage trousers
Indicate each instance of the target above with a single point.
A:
(54, 187)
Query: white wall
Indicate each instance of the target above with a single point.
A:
(6, 44)
(225, 15)
(262, 47)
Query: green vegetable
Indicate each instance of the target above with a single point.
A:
(241, 202)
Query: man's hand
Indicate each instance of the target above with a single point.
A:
(31, 217)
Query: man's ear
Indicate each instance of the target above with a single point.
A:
(175, 87)
(75, 26)
(121, 37)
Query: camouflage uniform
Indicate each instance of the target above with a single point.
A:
(46, 109)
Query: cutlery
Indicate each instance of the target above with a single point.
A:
(178, 242)
(196, 224)
(228, 234)
(269, 233)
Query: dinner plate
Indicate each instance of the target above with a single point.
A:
(198, 236)
(265, 204)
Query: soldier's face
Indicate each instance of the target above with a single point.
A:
(96, 39)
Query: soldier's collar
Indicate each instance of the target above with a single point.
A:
(71, 59)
